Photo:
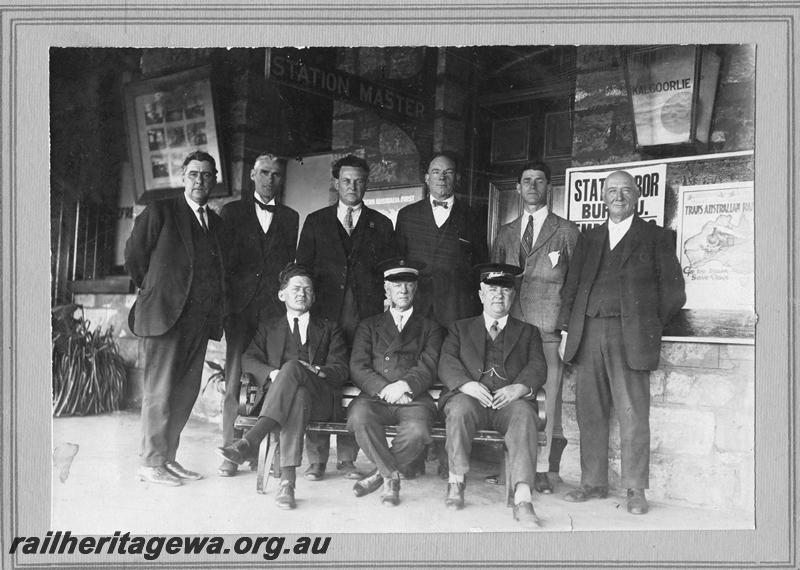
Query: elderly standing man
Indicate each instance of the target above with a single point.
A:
(623, 286)
(175, 260)
(394, 362)
(342, 246)
(542, 243)
(443, 232)
(303, 360)
(492, 366)
(260, 239)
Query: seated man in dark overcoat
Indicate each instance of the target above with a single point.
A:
(492, 365)
(393, 361)
(303, 361)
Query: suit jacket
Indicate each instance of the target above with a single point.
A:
(251, 266)
(326, 349)
(381, 355)
(538, 298)
(464, 355)
(651, 289)
(159, 257)
(322, 251)
(448, 284)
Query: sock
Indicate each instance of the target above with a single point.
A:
(259, 431)
(289, 474)
(456, 478)
(522, 493)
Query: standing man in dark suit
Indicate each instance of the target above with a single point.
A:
(342, 245)
(304, 360)
(542, 243)
(492, 366)
(260, 239)
(445, 234)
(394, 362)
(173, 256)
(624, 284)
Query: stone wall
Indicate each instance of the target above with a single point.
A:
(702, 413)
(701, 423)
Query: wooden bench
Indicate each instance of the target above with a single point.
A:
(249, 406)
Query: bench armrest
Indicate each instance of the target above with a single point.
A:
(249, 395)
(541, 407)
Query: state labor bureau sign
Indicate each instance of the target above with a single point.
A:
(584, 189)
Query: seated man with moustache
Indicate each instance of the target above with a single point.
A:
(492, 366)
(394, 363)
(304, 361)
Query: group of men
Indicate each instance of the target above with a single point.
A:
(395, 310)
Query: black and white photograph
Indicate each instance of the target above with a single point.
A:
(495, 299)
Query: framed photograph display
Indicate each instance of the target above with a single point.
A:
(168, 118)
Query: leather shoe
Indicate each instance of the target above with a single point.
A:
(227, 469)
(368, 484)
(315, 471)
(525, 515)
(455, 495)
(637, 502)
(349, 470)
(158, 475)
(391, 492)
(285, 497)
(584, 493)
(181, 472)
(238, 452)
(542, 484)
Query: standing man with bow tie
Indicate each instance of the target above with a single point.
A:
(542, 244)
(260, 239)
(174, 257)
(445, 234)
(342, 246)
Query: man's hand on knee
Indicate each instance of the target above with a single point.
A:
(507, 394)
(477, 391)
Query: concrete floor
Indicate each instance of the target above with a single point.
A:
(99, 494)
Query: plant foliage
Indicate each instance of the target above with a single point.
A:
(88, 371)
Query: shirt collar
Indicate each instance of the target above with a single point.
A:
(538, 216)
(343, 209)
(194, 205)
(488, 320)
(622, 226)
(270, 203)
(302, 320)
(405, 314)
(449, 200)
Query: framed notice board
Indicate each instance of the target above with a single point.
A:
(708, 201)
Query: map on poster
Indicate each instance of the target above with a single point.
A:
(716, 245)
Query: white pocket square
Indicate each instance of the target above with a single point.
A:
(554, 256)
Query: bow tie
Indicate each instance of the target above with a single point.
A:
(441, 203)
(269, 208)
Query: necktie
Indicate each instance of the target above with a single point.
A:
(494, 330)
(296, 333)
(202, 213)
(348, 221)
(268, 207)
(441, 204)
(400, 323)
(527, 237)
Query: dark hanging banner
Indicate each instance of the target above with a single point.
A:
(291, 69)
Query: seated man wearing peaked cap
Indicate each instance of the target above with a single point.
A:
(304, 360)
(492, 366)
(394, 363)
